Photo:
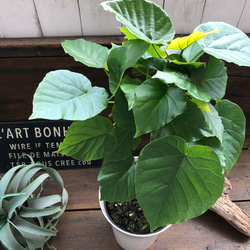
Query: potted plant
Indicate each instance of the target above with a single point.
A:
(158, 85)
(28, 217)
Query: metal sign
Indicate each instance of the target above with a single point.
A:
(39, 139)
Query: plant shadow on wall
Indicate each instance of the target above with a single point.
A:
(170, 94)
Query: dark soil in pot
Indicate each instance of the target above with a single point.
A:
(128, 216)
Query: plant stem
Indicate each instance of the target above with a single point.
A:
(157, 51)
(107, 73)
(143, 73)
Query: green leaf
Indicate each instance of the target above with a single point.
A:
(123, 117)
(126, 143)
(129, 86)
(136, 49)
(31, 234)
(185, 80)
(28, 227)
(152, 50)
(183, 182)
(3, 214)
(155, 51)
(12, 204)
(215, 144)
(43, 202)
(128, 34)
(117, 180)
(3, 220)
(4, 181)
(117, 62)
(89, 140)
(234, 123)
(154, 63)
(66, 95)
(214, 122)
(22, 178)
(39, 212)
(191, 125)
(229, 44)
(189, 66)
(19, 200)
(144, 19)
(8, 240)
(86, 52)
(215, 80)
(156, 104)
(192, 53)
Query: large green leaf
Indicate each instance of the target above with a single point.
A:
(144, 19)
(123, 117)
(154, 63)
(63, 94)
(191, 125)
(153, 50)
(117, 62)
(215, 80)
(183, 182)
(126, 143)
(185, 79)
(229, 44)
(129, 86)
(117, 180)
(192, 53)
(128, 34)
(136, 49)
(86, 52)
(234, 123)
(216, 145)
(156, 104)
(89, 140)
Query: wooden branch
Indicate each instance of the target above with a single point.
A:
(233, 214)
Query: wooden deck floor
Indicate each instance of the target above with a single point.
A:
(83, 226)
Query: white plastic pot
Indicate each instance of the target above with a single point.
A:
(130, 241)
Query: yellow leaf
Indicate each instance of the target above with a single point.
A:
(181, 43)
(202, 105)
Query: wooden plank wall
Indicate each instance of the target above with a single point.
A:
(24, 63)
(56, 18)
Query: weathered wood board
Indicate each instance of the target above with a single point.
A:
(55, 18)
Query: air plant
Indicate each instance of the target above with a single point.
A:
(28, 217)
